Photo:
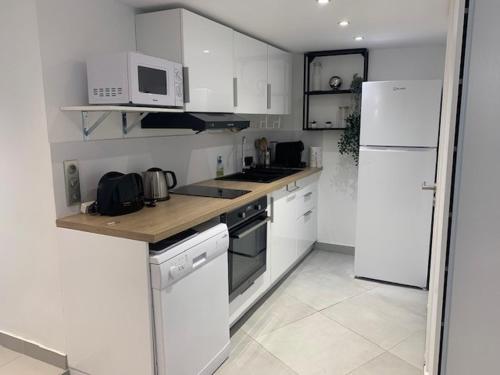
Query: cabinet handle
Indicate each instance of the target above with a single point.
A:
(292, 190)
(185, 83)
(308, 213)
(268, 96)
(308, 194)
(235, 91)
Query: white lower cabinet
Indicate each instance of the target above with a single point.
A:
(293, 229)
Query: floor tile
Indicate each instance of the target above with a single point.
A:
(322, 290)
(376, 319)
(387, 364)
(7, 355)
(24, 365)
(278, 311)
(412, 350)
(248, 357)
(318, 345)
(411, 299)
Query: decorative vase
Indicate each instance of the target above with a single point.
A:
(316, 76)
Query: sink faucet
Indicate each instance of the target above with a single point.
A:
(243, 143)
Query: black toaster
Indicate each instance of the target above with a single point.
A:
(119, 194)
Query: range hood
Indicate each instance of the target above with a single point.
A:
(193, 120)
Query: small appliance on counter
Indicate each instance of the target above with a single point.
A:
(119, 194)
(289, 154)
(156, 184)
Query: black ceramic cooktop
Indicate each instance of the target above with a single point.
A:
(209, 191)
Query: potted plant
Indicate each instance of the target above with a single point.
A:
(349, 140)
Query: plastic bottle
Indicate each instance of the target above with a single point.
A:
(220, 167)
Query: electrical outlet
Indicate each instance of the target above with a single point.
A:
(72, 182)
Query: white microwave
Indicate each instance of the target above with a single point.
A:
(135, 79)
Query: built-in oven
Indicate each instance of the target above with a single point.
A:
(247, 254)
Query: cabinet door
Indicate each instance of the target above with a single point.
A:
(208, 59)
(283, 251)
(279, 87)
(250, 75)
(307, 231)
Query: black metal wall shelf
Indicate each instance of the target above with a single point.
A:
(308, 59)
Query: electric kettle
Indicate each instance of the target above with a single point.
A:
(156, 184)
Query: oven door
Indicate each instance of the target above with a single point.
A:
(151, 81)
(247, 254)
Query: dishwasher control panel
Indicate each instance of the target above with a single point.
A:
(190, 256)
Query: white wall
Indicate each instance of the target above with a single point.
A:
(30, 290)
(338, 183)
(473, 329)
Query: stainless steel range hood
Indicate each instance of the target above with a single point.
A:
(194, 120)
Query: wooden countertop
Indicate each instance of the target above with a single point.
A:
(177, 214)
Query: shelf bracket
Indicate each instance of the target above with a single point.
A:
(126, 127)
(87, 130)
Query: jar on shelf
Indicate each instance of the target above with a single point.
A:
(316, 75)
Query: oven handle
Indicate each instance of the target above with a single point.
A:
(245, 233)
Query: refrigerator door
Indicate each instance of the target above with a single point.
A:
(400, 113)
(394, 214)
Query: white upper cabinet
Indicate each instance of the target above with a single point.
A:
(250, 75)
(279, 95)
(202, 46)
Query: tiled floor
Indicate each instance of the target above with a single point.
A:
(14, 363)
(322, 320)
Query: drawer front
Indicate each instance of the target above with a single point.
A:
(307, 199)
(307, 231)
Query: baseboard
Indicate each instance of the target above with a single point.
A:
(335, 248)
(33, 350)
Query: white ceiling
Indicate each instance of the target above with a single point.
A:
(304, 25)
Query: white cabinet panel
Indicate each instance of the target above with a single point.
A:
(250, 72)
(208, 56)
(283, 233)
(307, 231)
(279, 81)
(203, 46)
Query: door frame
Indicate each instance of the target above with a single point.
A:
(444, 182)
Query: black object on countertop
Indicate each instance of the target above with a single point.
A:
(209, 191)
(261, 175)
(119, 194)
(289, 154)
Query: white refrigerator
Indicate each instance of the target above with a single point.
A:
(398, 150)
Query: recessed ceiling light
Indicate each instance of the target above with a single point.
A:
(358, 38)
(206, 51)
(323, 1)
(344, 23)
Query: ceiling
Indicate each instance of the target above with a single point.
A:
(304, 25)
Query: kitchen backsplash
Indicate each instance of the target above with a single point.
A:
(193, 158)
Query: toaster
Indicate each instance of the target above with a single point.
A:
(119, 194)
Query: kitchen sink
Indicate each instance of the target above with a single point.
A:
(264, 175)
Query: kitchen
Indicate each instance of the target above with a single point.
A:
(289, 265)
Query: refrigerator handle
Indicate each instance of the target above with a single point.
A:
(431, 187)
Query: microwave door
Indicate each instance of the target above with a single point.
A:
(149, 81)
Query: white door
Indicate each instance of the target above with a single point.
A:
(279, 81)
(250, 75)
(394, 214)
(400, 113)
(208, 58)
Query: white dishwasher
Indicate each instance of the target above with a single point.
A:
(190, 301)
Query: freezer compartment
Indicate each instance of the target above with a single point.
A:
(394, 214)
(401, 113)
